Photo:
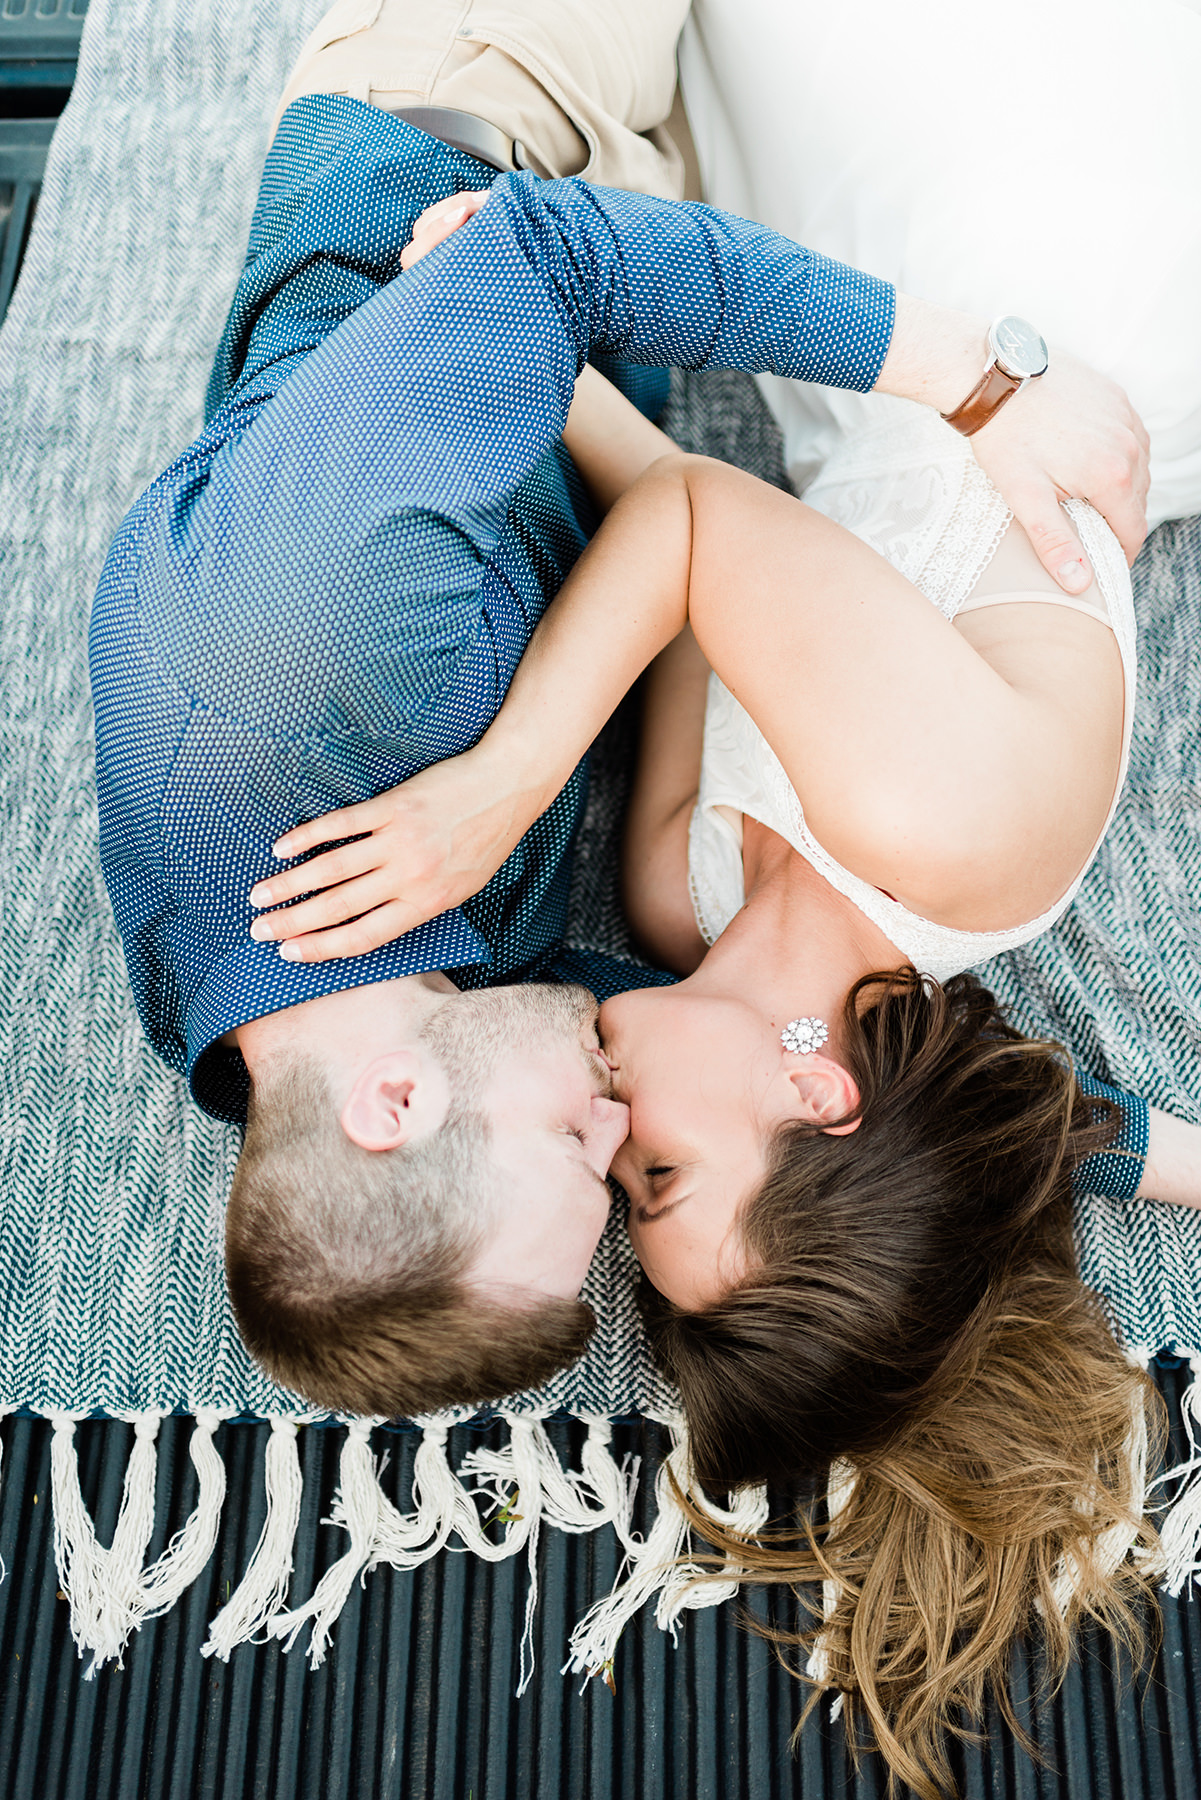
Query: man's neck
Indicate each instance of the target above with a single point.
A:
(355, 1023)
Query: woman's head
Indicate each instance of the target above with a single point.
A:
(709, 1086)
(865, 1263)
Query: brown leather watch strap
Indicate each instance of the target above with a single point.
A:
(986, 399)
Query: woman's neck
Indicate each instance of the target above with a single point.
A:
(797, 945)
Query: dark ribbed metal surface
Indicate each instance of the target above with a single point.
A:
(416, 1700)
(39, 41)
(23, 147)
(33, 31)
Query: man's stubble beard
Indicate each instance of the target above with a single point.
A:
(472, 1034)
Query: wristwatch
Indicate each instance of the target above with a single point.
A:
(1019, 355)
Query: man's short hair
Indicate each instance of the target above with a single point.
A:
(347, 1268)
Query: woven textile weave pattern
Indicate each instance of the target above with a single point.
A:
(112, 1181)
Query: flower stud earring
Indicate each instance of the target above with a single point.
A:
(800, 1036)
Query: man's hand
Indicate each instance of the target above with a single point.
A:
(419, 849)
(436, 223)
(1072, 434)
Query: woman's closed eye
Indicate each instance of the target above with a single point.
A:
(658, 1178)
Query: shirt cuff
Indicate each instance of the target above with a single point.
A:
(847, 328)
(1115, 1172)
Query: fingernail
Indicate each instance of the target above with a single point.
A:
(1072, 575)
(260, 895)
(291, 952)
(261, 931)
(278, 849)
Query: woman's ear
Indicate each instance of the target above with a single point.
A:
(396, 1098)
(824, 1091)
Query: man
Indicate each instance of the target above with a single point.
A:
(330, 590)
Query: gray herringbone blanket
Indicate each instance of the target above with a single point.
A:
(112, 1182)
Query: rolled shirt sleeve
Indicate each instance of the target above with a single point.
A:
(444, 389)
(1115, 1172)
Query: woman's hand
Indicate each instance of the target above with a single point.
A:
(437, 222)
(419, 850)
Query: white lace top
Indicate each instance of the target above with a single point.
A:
(910, 487)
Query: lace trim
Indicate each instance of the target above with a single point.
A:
(705, 905)
(968, 542)
(911, 488)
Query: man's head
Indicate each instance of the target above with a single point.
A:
(420, 1192)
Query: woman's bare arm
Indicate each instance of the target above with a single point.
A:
(666, 778)
(432, 842)
(920, 765)
(969, 779)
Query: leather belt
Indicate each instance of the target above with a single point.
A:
(465, 131)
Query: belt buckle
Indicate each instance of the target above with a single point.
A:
(467, 132)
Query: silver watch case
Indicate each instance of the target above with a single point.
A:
(1017, 349)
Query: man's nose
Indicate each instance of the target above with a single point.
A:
(610, 1129)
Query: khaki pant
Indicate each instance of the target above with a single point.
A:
(583, 85)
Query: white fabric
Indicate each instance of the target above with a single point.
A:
(1043, 159)
(912, 489)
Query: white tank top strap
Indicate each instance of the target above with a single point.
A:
(909, 486)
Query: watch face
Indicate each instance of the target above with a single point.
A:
(1018, 348)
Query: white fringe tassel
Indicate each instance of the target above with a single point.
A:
(1180, 1528)
(110, 1593)
(187, 1555)
(516, 1476)
(493, 1508)
(839, 1488)
(404, 1540)
(356, 1509)
(102, 1585)
(658, 1568)
(263, 1588)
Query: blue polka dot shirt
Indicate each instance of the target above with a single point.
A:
(330, 589)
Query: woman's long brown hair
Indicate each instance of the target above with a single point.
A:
(912, 1309)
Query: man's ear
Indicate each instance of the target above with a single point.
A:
(824, 1090)
(398, 1097)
